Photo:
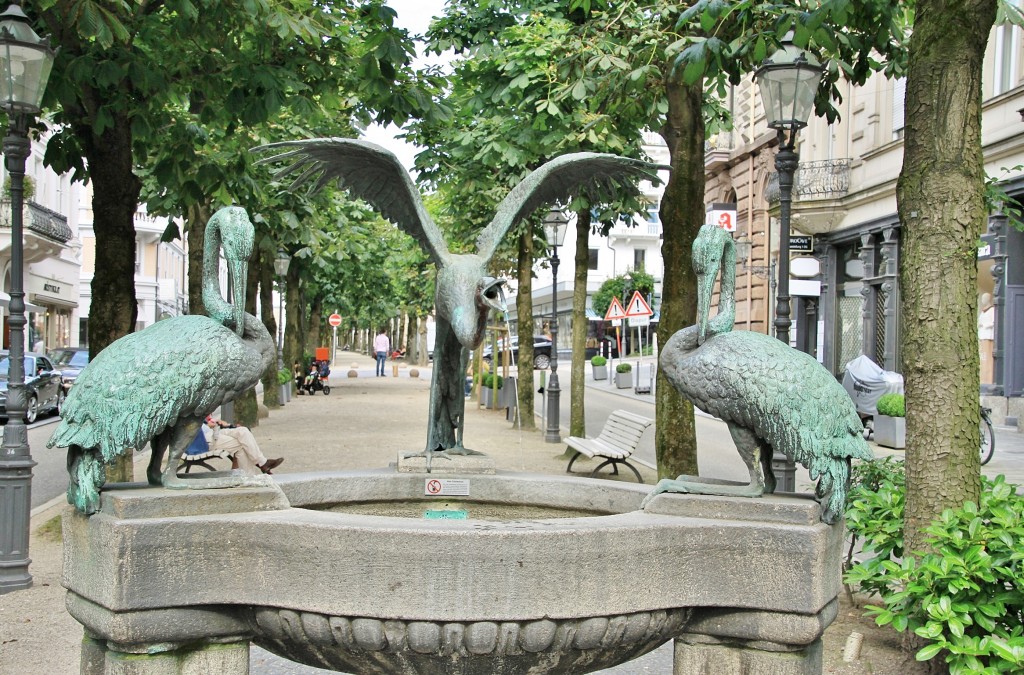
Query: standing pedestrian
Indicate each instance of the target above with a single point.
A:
(381, 345)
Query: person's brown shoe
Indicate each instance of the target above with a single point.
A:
(271, 464)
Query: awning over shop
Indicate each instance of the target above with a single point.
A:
(5, 300)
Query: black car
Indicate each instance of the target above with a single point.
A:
(43, 389)
(69, 361)
(541, 351)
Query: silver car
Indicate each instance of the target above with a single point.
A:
(43, 389)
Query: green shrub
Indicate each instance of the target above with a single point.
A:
(284, 376)
(598, 360)
(966, 597)
(624, 368)
(891, 405)
(874, 516)
(489, 379)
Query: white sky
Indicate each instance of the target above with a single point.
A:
(414, 16)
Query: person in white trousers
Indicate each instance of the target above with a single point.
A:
(240, 444)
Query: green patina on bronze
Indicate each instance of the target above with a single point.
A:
(156, 386)
(465, 293)
(771, 396)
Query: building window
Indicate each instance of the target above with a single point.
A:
(1007, 51)
(83, 332)
(899, 95)
(639, 258)
(592, 260)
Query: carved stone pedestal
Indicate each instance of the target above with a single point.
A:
(540, 574)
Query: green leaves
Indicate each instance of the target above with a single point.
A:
(965, 596)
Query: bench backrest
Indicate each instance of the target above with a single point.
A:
(624, 429)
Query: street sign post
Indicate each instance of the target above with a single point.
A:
(616, 314)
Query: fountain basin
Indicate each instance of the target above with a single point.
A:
(292, 567)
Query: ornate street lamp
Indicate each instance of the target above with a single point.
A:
(281, 264)
(788, 81)
(25, 63)
(554, 232)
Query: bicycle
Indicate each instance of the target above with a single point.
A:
(988, 438)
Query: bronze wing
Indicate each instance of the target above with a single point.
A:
(560, 179)
(368, 172)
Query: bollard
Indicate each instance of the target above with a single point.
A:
(394, 370)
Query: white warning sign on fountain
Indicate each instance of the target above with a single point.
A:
(446, 487)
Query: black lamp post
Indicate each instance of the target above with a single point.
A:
(554, 231)
(788, 81)
(25, 62)
(281, 264)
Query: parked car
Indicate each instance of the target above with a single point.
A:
(69, 361)
(43, 389)
(541, 351)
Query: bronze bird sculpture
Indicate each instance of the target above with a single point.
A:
(465, 292)
(157, 385)
(771, 396)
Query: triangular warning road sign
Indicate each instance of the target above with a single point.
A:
(638, 306)
(615, 310)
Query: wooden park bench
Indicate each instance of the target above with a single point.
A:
(616, 442)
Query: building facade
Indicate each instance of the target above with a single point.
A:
(845, 285)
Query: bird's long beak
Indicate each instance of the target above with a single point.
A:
(705, 288)
(239, 276)
(492, 294)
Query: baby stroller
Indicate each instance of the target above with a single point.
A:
(318, 383)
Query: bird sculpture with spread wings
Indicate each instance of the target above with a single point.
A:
(156, 386)
(465, 292)
(771, 396)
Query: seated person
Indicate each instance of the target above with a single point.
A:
(298, 374)
(311, 376)
(240, 444)
(325, 370)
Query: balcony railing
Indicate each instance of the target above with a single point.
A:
(825, 179)
(40, 220)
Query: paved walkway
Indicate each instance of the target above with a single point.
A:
(364, 423)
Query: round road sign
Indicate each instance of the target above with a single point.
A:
(334, 320)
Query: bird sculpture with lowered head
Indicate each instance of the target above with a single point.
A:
(771, 396)
(158, 385)
(465, 292)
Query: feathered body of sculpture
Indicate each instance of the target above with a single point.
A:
(465, 292)
(770, 395)
(159, 384)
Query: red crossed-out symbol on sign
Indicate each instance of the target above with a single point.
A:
(434, 487)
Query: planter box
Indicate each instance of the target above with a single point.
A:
(600, 372)
(624, 380)
(488, 399)
(286, 392)
(891, 432)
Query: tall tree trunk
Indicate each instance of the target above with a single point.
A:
(313, 329)
(292, 325)
(196, 217)
(577, 378)
(422, 339)
(682, 214)
(115, 198)
(524, 316)
(271, 390)
(942, 211)
(411, 346)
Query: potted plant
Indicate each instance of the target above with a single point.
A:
(624, 376)
(489, 382)
(284, 378)
(600, 367)
(890, 422)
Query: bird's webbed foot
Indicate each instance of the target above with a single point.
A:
(462, 450)
(703, 486)
(429, 455)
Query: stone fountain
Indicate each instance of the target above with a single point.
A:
(525, 574)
